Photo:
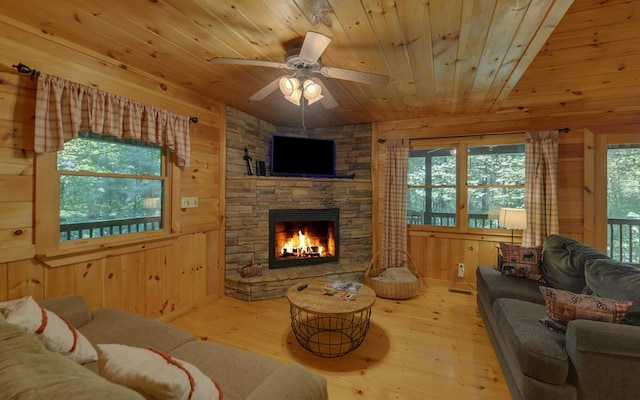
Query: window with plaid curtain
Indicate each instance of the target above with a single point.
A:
(63, 109)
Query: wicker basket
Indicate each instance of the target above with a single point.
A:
(392, 290)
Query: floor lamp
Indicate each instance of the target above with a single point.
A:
(512, 218)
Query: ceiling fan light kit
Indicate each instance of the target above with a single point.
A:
(304, 62)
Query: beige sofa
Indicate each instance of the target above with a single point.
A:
(28, 371)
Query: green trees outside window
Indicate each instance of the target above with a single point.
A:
(109, 187)
(494, 178)
(623, 202)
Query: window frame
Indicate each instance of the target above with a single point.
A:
(595, 167)
(47, 214)
(462, 144)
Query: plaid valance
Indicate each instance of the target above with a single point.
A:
(63, 109)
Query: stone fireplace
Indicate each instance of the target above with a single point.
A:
(250, 200)
(303, 237)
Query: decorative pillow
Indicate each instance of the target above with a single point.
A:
(521, 262)
(155, 374)
(609, 278)
(563, 306)
(56, 333)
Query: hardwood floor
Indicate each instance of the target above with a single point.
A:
(433, 346)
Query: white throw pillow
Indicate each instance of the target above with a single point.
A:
(154, 374)
(56, 333)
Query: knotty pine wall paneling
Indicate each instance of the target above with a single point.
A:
(160, 281)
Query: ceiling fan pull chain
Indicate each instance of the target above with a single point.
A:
(302, 101)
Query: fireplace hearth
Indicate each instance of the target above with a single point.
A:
(300, 237)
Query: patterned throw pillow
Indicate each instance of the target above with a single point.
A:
(521, 262)
(563, 306)
(57, 334)
(154, 374)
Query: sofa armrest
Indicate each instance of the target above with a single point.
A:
(605, 358)
(72, 307)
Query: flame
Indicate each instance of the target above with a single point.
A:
(302, 247)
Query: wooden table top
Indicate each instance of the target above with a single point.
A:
(313, 299)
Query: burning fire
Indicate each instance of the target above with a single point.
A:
(301, 247)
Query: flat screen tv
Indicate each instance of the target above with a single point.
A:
(297, 156)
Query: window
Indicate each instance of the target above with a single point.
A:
(431, 195)
(489, 177)
(104, 190)
(495, 178)
(623, 212)
(109, 187)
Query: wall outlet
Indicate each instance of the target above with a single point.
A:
(189, 202)
(460, 270)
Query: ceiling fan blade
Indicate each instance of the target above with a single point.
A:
(265, 91)
(327, 99)
(357, 76)
(242, 61)
(313, 46)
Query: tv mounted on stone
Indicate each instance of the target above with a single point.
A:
(303, 157)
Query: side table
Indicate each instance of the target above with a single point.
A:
(329, 326)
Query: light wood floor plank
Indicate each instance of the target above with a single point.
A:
(434, 346)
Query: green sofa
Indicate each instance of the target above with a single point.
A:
(29, 371)
(594, 360)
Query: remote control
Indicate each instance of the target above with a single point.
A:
(302, 287)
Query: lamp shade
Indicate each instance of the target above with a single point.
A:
(288, 85)
(512, 218)
(295, 97)
(312, 91)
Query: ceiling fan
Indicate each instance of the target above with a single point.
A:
(302, 62)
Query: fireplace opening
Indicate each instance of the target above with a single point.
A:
(303, 236)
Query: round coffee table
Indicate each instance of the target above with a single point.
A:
(329, 326)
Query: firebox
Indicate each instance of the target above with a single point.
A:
(303, 237)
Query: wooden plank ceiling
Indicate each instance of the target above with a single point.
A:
(443, 57)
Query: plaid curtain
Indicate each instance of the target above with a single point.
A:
(64, 108)
(541, 186)
(394, 230)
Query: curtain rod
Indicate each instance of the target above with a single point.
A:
(560, 130)
(23, 69)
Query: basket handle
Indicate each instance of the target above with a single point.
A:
(411, 265)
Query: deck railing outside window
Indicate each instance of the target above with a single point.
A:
(93, 229)
(623, 239)
(448, 219)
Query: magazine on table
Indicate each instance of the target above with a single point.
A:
(347, 286)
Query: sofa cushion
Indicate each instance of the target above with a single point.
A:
(563, 262)
(246, 375)
(539, 352)
(56, 333)
(29, 371)
(563, 306)
(521, 262)
(122, 327)
(154, 374)
(616, 280)
(493, 285)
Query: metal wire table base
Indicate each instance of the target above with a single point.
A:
(330, 335)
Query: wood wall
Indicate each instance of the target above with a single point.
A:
(438, 251)
(159, 279)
